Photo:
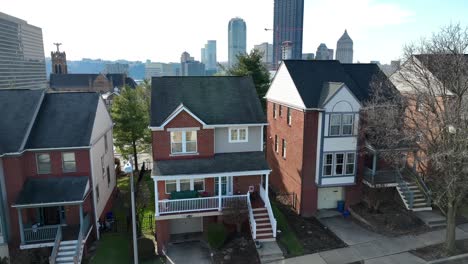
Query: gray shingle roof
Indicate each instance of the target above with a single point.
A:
(53, 190)
(225, 162)
(83, 80)
(64, 120)
(215, 100)
(17, 108)
(309, 77)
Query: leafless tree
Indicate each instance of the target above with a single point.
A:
(431, 111)
(235, 212)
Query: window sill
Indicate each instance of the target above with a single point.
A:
(184, 154)
(243, 141)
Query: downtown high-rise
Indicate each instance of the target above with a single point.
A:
(237, 39)
(208, 57)
(22, 51)
(288, 27)
(344, 48)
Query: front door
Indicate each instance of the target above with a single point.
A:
(226, 185)
(52, 215)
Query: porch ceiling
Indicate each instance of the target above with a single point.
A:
(53, 191)
(220, 163)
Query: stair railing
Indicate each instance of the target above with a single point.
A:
(403, 185)
(253, 224)
(58, 238)
(422, 185)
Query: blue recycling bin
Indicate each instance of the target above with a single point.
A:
(340, 206)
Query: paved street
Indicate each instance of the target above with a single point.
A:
(371, 247)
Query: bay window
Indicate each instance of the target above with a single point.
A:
(338, 164)
(183, 142)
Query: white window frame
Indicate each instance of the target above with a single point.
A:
(349, 163)
(335, 163)
(351, 125)
(330, 125)
(238, 129)
(184, 142)
(63, 161)
(289, 117)
(37, 164)
(276, 144)
(283, 148)
(325, 164)
(340, 130)
(171, 182)
(198, 180)
(177, 183)
(274, 110)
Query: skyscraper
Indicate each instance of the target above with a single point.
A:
(267, 50)
(237, 39)
(210, 56)
(344, 49)
(287, 26)
(22, 49)
(323, 53)
(191, 67)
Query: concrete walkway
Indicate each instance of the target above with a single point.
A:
(371, 247)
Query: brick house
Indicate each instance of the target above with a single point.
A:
(313, 139)
(56, 170)
(208, 152)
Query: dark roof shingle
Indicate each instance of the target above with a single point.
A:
(64, 120)
(18, 107)
(220, 163)
(215, 100)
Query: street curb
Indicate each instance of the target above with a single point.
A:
(449, 259)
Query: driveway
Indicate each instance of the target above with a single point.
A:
(189, 252)
(348, 231)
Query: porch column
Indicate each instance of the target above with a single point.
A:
(374, 163)
(266, 186)
(81, 217)
(20, 220)
(156, 198)
(220, 191)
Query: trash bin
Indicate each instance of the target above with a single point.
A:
(340, 206)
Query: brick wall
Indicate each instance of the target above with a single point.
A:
(309, 187)
(162, 141)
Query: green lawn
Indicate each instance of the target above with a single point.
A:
(113, 248)
(287, 238)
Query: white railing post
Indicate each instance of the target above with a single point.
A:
(156, 198)
(219, 194)
(266, 185)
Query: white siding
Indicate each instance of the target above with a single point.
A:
(337, 180)
(102, 126)
(284, 90)
(343, 101)
(339, 144)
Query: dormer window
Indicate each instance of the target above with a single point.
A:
(341, 125)
(183, 142)
(238, 135)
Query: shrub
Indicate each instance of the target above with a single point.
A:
(216, 235)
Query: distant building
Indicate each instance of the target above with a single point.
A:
(158, 69)
(391, 68)
(344, 49)
(267, 50)
(286, 50)
(308, 56)
(89, 82)
(237, 39)
(121, 68)
(209, 56)
(287, 26)
(323, 53)
(59, 61)
(191, 67)
(21, 54)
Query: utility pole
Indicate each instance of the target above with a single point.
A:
(129, 169)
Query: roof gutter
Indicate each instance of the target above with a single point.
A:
(161, 128)
(46, 204)
(41, 149)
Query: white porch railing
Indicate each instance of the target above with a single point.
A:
(195, 204)
(253, 224)
(266, 200)
(39, 234)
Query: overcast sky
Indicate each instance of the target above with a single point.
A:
(160, 30)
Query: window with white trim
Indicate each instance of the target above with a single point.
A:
(184, 185)
(280, 110)
(171, 186)
(276, 143)
(283, 152)
(327, 164)
(341, 125)
(238, 135)
(274, 110)
(68, 162)
(43, 163)
(289, 116)
(338, 164)
(183, 142)
(199, 185)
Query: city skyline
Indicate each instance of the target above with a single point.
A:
(393, 25)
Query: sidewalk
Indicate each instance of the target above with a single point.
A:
(372, 247)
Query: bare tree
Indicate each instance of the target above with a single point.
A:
(431, 110)
(235, 212)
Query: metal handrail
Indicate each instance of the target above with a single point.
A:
(420, 182)
(58, 238)
(253, 224)
(405, 189)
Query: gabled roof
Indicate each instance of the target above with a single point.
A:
(438, 63)
(18, 109)
(83, 80)
(214, 99)
(328, 91)
(64, 120)
(56, 190)
(310, 78)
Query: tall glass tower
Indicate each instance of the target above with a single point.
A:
(287, 27)
(237, 39)
(22, 52)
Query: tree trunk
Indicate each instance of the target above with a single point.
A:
(450, 235)
(135, 156)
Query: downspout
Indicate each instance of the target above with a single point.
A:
(96, 220)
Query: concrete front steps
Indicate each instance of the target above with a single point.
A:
(432, 218)
(66, 252)
(264, 229)
(269, 252)
(420, 202)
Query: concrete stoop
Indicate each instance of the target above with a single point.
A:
(270, 252)
(432, 218)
